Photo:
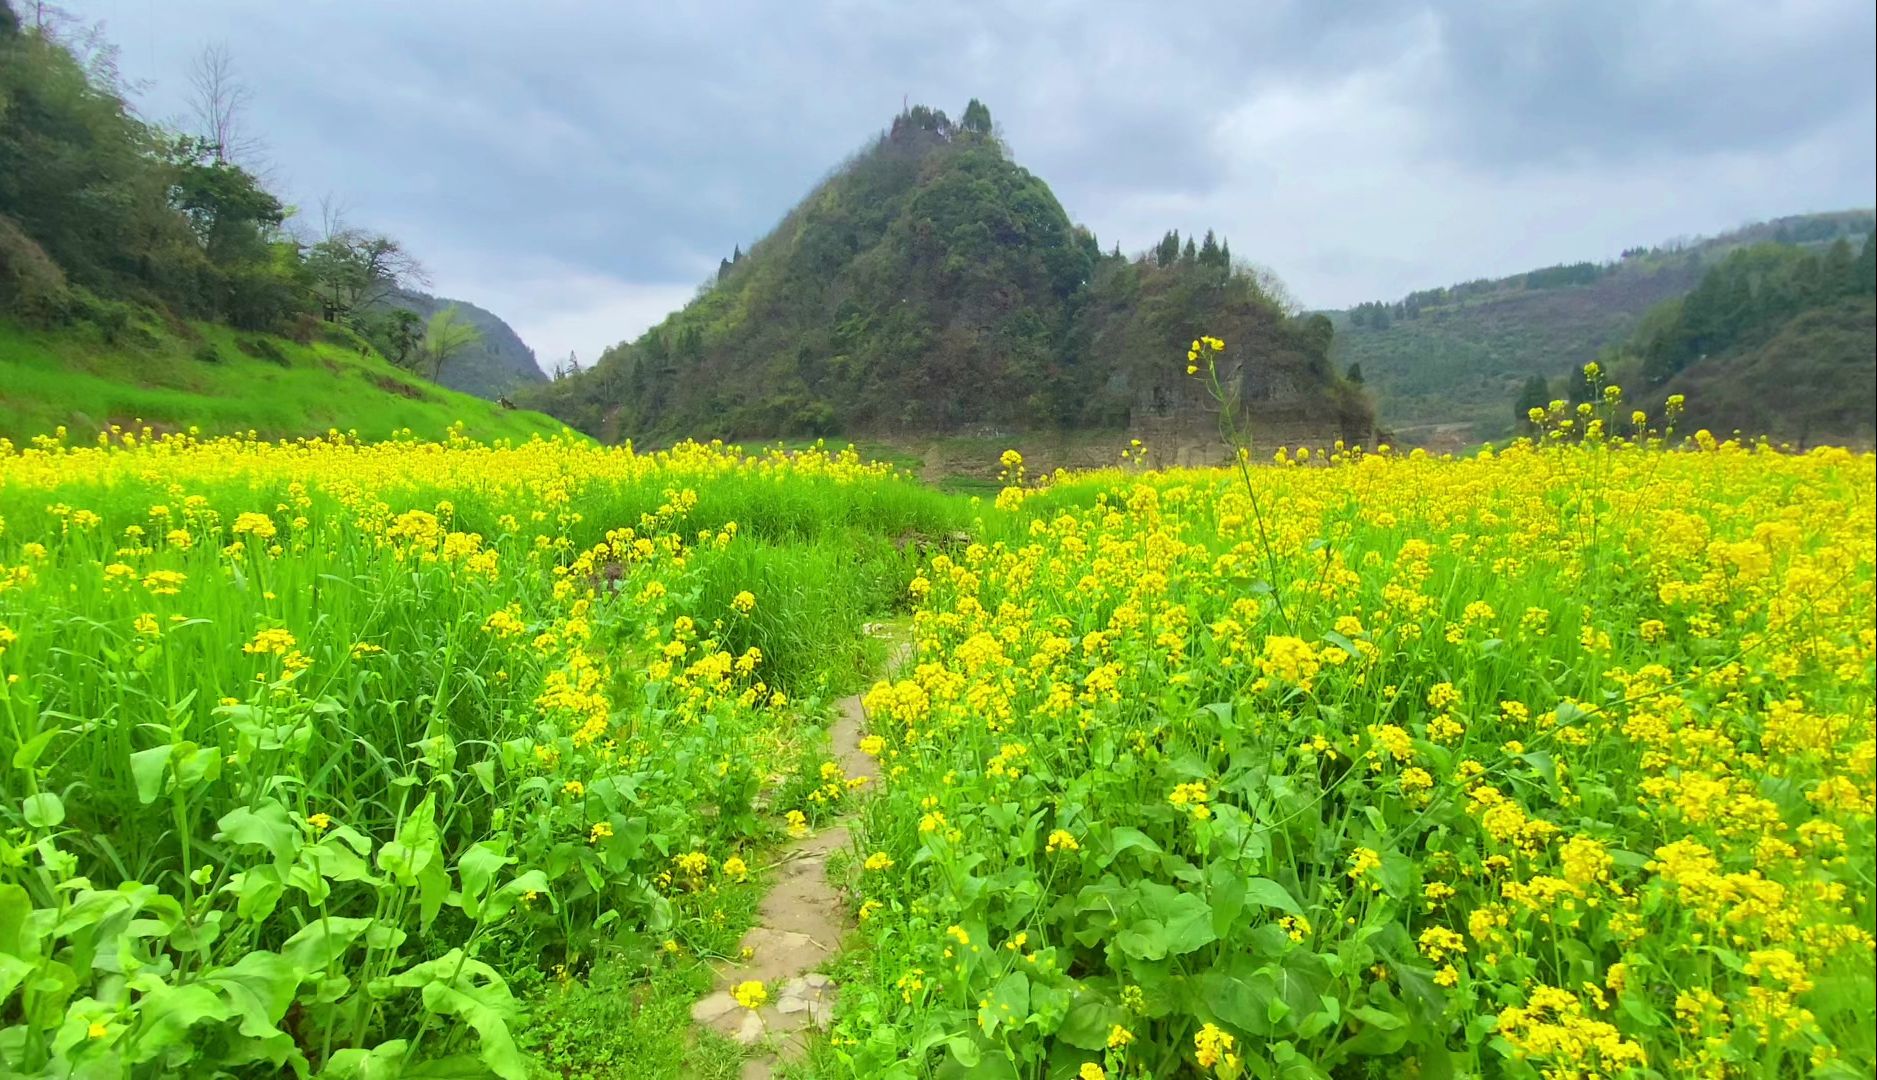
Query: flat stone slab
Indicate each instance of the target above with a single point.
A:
(713, 1006)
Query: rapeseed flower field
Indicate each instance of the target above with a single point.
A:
(1556, 762)
(1552, 762)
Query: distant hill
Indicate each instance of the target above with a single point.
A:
(932, 285)
(1776, 339)
(500, 363)
(1445, 365)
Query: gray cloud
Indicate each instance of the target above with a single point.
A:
(578, 167)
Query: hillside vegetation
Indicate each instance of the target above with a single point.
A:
(146, 272)
(932, 284)
(1775, 340)
(1446, 364)
(206, 376)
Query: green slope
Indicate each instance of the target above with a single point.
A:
(1814, 382)
(218, 380)
(1445, 365)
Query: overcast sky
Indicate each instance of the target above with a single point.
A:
(578, 168)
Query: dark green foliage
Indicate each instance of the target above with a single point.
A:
(977, 118)
(1743, 301)
(1775, 340)
(1560, 277)
(1535, 394)
(1812, 382)
(1167, 252)
(930, 285)
(1354, 375)
(496, 363)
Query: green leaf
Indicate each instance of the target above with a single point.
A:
(1088, 1023)
(484, 772)
(1009, 1003)
(319, 943)
(259, 986)
(506, 897)
(1189, 925)
(1342, 643)
(1269, 893)
(416, 845)
(42, 810)
(964, 1051)
(28, 754)
(486, 1010)
(266, 826)
(1145, 940)
(168, 1012)
(381, 1062)
(148, 768)
(477, 869)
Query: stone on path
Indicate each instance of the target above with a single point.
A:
(799, 924)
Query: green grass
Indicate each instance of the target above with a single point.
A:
(155, 375)
(618, 1024)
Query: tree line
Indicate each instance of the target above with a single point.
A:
(103, 212)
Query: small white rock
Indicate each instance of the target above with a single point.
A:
(751, 1032)
(817, 980)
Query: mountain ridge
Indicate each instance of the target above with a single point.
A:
(931, 284)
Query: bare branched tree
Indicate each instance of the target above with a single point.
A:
(218, 104)
(1270, 285)
(354, 270)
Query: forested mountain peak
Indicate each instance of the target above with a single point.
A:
(931, 284)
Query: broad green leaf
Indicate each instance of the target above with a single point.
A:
(28, 754)
(259, 986)
(1088, 1022)
(258, 890)
(168, 1012)
(1269, 893)
(486, 1010)
(266, 826)
(505, 898)
(148, 768)
(381, 1062)
(484, 772)
(1189, 925)
(1145, 940)
(1009, 1003)
(416, 845)
(319, 943)
(42, 810)
(965, 1051)
(477, 869)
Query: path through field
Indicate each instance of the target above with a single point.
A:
(799, 925)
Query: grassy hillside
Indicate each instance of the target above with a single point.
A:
(1814, 382)
(211, 377)
(933, 285)
(1445, 365)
